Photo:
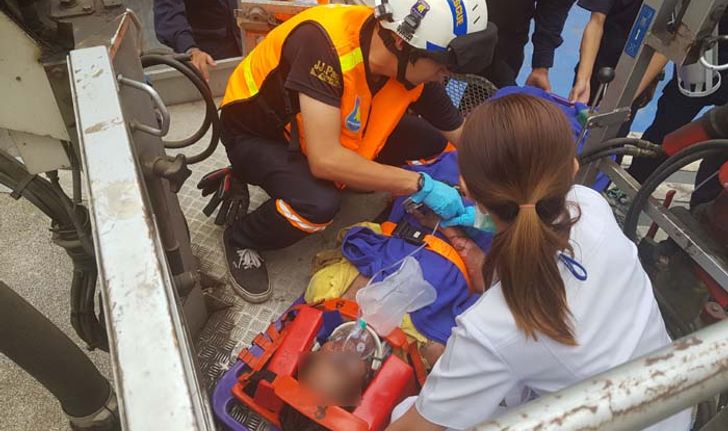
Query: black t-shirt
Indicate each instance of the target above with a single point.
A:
(621, 14)
(310, 65)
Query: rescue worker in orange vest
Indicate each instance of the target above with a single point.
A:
(322, 103)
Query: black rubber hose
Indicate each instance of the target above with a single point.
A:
(83, 290)
(617, 151)
(78, 215)
(669, 167)
(34, 343)
(75, 174)
(199, 83)
(621, 142)
(65, 222)
(38, 191)
(211, 117)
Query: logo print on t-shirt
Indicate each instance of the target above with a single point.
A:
(353, 120)
(326, 73)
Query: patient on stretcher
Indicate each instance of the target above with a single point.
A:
(450, 261)
(338, 375)
(343, 280)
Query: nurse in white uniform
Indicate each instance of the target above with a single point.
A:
(568, 298)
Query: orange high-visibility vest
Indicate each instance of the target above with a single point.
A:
(359, 109)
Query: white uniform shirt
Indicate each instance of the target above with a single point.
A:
(615, 319)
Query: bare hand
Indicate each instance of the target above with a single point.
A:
(201, 60)
(580, 92)
(539, 77)
(644, 98)
(474, 259)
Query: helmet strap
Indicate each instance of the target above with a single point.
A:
(403, 56)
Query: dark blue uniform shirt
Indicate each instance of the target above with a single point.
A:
(205, 24)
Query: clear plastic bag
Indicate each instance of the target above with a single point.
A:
(384, 304)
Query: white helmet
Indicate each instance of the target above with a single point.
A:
(452, 32)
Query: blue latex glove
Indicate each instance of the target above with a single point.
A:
(467, 218)
(441, 198)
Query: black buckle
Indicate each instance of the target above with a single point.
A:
(409, 26)
(407, 232)
(254, 380)
(383, 12)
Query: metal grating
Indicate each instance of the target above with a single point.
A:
(468, 91)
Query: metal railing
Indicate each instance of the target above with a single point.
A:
(634, 395)
(150, 346)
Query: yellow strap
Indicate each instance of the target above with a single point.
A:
(248, 73)
(350, 60)
(439, 246)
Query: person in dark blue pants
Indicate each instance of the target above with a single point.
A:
(675, 110)
(513, 19)
(205, 29)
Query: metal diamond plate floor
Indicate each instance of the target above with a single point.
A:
(234, 322)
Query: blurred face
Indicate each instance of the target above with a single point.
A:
(337, 377)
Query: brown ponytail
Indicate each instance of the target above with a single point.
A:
(516, 159)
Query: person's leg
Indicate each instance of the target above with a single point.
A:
(300, 204)
(513, 19)
(499, 73)
(674, 110)
(412, 139)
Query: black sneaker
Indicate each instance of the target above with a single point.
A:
(246, 270)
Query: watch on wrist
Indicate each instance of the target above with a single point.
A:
(420, 182)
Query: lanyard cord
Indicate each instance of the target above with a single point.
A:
(574, 267)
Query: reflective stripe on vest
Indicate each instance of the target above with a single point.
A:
(358, 107)
(439, 246)
(248, 74)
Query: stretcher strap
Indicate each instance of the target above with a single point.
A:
(239, 393)
(439, 246)
(269, 343)
(416, 362)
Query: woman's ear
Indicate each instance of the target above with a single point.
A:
(575, 168)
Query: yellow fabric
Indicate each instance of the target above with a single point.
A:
(409, 329)
(332, 274)
(330, 282)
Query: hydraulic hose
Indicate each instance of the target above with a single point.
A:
(212, 119)
(37, 190)
(33, 342)
(621, 142)
(619, 151)
(71, 230)
(669, 167)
